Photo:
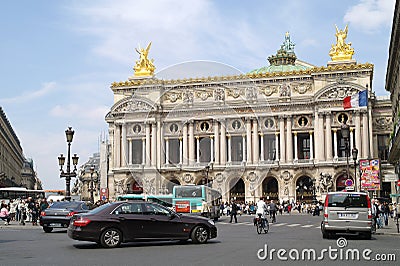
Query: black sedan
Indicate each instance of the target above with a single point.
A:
(60, 213)
(117, 222)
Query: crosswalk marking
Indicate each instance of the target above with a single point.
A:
(307, 225)
(280, 224)
(292, 225)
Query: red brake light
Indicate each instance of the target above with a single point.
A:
(42, 213)
(369, 208)
(326, 206)
(81, 222)
(71, 214)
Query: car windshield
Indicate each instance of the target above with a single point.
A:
(65, 205)
(348, 200)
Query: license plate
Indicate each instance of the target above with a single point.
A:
(55, 225)
(347, 215)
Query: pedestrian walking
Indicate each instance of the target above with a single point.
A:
(4, 214)
(234, 210)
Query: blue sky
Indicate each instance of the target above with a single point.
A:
(58, 58)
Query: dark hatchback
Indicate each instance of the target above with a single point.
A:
(60, 213)
(114, 223)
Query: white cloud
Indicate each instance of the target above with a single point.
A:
(86, 112)
(31, 95)
(370, 15)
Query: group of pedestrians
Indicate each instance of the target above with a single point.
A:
(381, 211)
(23, 210)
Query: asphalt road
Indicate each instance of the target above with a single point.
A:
(236, 244)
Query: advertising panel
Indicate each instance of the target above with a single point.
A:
(182, 206)
(370, 174)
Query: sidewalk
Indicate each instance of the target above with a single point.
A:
(15, 225)
(391, 229)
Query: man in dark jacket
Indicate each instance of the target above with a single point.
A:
(234, 210)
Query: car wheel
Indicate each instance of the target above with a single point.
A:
(47, 229)
(111, 238)
(199, 235)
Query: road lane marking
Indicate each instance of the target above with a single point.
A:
(293, 225)
(307, 225)
(280, 224)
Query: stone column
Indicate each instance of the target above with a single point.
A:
(289, 140)
(129, 151)
(211, 149)
(147, 144)
(282, 139)
(180, 151)
(328, 137)
(223, 144)
(244, 150)
(143, 151)
(277, 146)
(358, 132)
(117, 140)
(371, 143)
(256, 151)
(321, 136)
(191, 143)
(365, 135)
(335, 144)
(198, 149)
(229, 149)
(317, 137)
(153, 144)
(216, 142)
(296, 158)
(166, 150)
(312, 146)
(262, 147)
(351, 138)
(185, 144)
(124, 146)
(249, 158)
(160, 146)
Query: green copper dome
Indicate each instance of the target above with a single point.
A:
(283, 61)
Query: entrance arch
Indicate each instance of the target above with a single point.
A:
(270, 188)
(304, 189)
(237, 192)
(341, 182)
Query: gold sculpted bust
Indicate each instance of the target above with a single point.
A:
(341, 51)
(144, 66)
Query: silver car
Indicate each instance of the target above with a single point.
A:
(347, 213)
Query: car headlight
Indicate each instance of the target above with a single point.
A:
(211, 222)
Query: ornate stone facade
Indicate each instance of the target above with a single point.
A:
(273, 134)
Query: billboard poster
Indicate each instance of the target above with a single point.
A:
(182, 206)
(370, 174)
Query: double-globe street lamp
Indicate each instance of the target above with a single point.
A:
(61, 160)
(354, 152)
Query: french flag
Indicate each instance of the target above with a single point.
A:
(357, 100)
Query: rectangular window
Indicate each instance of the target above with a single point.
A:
(173, 155)
(304, 146)
(269, 148)
(237, 149)
(137, 151)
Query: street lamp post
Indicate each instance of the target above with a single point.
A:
(345, 130)
(61, 160)
(354, 151)
(207, 168)
(314, 199)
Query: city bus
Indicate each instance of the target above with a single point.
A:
(164, 199)
(190, 198)
(7, 193)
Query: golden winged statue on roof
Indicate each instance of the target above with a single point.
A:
(342, 51)
(144, 66)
